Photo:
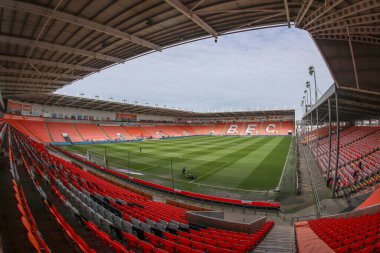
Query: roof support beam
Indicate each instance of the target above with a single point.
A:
(39, 10)
(253, 22)
(87, 104)
(354, 30)
(355, 21)
(102, 104)
(16, 79)
(118, 106)
(30, 89)
(49, 99)
(2, 101)
(287, 12)
(354, 38)
(350, 10)
(31, 81)
(59, 99)
(361, 90)
(193, 17)
(76, 100)
(247, 10)
(329, 5)
(47, 63)
(302, 11)
(31, 72)
(353, 59)
(34, 89)
(59, 48)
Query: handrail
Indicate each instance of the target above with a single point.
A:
(297, 218)
(315, 193)
(294, 240)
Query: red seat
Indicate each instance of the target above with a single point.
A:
(226, 245)
(369, 241)
(356, 246)
(343, 249)
(238, 247)
(196, 238)
(183, 249)
(183, 241)
(146, 247)
(211, 242)
(198, 245)
(132, 240)
(118, 247)
(348, 241)
(212, 249)
(335, 245)
(168, 245)
(170, 236)
(368, 249)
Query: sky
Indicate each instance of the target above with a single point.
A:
(262, 69)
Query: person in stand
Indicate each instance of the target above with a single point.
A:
(360, 165)
(328, 181)
(356, 175)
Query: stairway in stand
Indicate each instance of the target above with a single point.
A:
(279, 240)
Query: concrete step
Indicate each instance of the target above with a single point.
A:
(278, 240)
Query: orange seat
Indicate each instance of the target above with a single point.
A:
(26, 224)
(34, 242)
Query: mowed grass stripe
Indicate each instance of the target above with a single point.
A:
(118, 154)
(199, 157)
(269, 171)
(184, 149)
(174, 151)
(243, 167)
(166, 147)
(231, 157)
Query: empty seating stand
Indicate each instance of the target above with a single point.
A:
(58, 128)
(91, 132)
(346, 235)
(358, 145)
(140, 223)
(116, 133)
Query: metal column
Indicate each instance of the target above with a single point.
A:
(330, 137)
(317, 140)
(337, 141)
(311, 127)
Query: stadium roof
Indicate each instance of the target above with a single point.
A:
(52, 99)
(352, 105)
(45, 45)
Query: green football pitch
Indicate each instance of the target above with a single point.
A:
(222, 165)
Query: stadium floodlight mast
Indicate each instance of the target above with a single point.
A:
(312, 73)
(309, 87)
(306, 104)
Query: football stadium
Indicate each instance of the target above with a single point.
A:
(82, 174)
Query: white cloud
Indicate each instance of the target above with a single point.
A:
(265, 69)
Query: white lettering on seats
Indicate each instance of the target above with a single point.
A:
(270, 128)
(232, 129)
(250, 129)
